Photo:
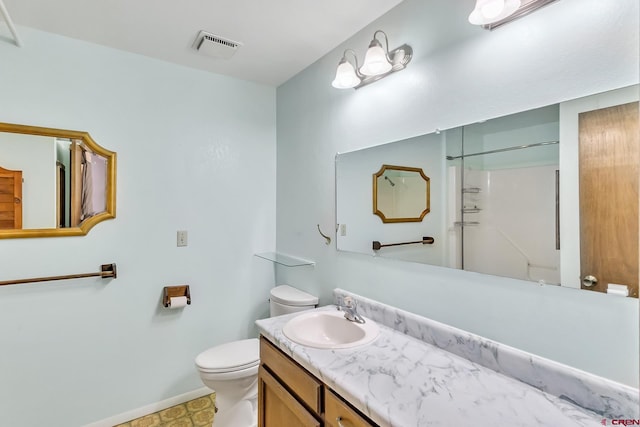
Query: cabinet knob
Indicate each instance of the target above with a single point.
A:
(340, 423)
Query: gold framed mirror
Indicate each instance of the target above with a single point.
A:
(401, 194)
(53, 182)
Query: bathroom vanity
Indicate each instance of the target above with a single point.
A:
(420, 372)
(289, 395)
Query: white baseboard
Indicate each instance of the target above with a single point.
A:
(151, 408)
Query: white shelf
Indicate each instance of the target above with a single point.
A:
(286, 260)
(472, 190)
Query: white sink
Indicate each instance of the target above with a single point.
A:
(329, 329)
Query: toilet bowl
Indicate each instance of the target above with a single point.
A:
(231, 369)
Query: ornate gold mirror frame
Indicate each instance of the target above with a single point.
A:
(110, 191)
(381, 175)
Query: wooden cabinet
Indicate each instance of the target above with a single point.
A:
(288, 395)
(301, 383)
(278, 407)
(339, 414)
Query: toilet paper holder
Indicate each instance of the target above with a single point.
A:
(175, 291)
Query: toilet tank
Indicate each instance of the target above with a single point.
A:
(286, 299)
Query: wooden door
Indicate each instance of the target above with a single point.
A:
(10, 199)
(277, 407)
(609, 157)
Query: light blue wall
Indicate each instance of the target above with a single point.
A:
(196, 152)
(460, 74)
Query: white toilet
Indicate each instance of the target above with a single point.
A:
(231, 369)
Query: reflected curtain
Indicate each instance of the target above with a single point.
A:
(86, 206)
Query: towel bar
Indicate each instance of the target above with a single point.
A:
(425, 241)
(106, 271)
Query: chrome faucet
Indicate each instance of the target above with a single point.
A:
(349, 307)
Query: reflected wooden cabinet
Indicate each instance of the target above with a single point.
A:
(288, 395)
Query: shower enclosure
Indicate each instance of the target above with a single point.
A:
(503, 196)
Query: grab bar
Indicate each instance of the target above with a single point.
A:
(106, 271)
(425, 241)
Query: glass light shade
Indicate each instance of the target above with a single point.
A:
(490, 11)
(346, 77)
(375, 61)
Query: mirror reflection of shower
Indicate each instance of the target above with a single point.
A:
(506, 197)
(393, 184)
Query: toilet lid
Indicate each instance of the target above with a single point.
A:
(232, 356)
(285, 294)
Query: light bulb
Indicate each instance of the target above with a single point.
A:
(346, 77)
(375, 61)
(490, 11)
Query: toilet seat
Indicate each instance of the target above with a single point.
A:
(230, 357)
(243, 374)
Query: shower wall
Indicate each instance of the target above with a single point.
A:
(507, 196)
(515, 231)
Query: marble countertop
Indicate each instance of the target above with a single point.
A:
(400, 381)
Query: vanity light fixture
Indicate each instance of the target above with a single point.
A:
(378, 63)
(376, 60)
(490, 11)
(492, 14)
(347, 75)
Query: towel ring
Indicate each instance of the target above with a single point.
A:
(327, 238)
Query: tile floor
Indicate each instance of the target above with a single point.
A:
(197, 412)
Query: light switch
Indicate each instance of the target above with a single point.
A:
(182, 238)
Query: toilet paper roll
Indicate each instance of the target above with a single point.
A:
(615, 289)
(177, 302)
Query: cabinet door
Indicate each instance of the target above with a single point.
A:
(278, 408)
(302, 384)
(339, 414)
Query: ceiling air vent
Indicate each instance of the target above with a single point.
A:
(215, 46)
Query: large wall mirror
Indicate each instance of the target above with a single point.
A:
(53, 182)
(548, 195)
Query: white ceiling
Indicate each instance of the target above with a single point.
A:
(280, 37)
